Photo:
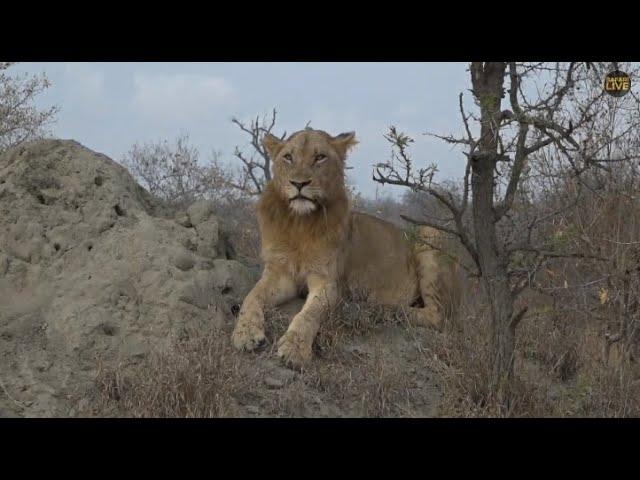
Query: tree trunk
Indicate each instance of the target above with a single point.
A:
(495, 282)
(488, 80)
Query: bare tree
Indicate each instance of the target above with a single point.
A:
(173, 173)
(551, 108)
(20, 120)
(256, 165)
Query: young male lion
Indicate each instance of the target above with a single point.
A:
(312, 240)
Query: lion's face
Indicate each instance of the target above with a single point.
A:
(308, 167)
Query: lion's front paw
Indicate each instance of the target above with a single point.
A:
(294, 350)
(248, 337)
(248, 334)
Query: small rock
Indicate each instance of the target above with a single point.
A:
(285, 374)
(200, 212)
(83, 405)
(183, 260)
(208, 237)
(200, 291)
(253, 409)
(356, 350)
(274, 383)
(134, 347)
(184, 220)
(233, 277)
(207, 251)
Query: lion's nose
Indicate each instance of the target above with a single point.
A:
(300, 185)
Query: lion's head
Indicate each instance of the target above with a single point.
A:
(308, 167)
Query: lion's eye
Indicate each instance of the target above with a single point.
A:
(288, 157)
(321, 157)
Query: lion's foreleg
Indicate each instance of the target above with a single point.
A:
(272, 289)
(295, 345)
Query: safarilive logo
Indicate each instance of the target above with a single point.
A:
(617, 83)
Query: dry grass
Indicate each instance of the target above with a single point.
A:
(198, 378)
(367, 378)
(560, 369)
(356, 372)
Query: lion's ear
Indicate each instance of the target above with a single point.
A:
(273, 145)
(344, 142)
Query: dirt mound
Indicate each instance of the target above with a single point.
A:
(91, 273)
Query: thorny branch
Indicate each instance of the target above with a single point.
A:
(400, 171)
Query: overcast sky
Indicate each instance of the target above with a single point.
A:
(109, 106)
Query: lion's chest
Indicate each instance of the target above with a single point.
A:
(301, 258)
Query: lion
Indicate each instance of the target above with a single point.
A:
(312, 241)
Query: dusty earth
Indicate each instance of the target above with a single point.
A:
(94, 275)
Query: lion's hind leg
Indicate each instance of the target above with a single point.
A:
(431, 313)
